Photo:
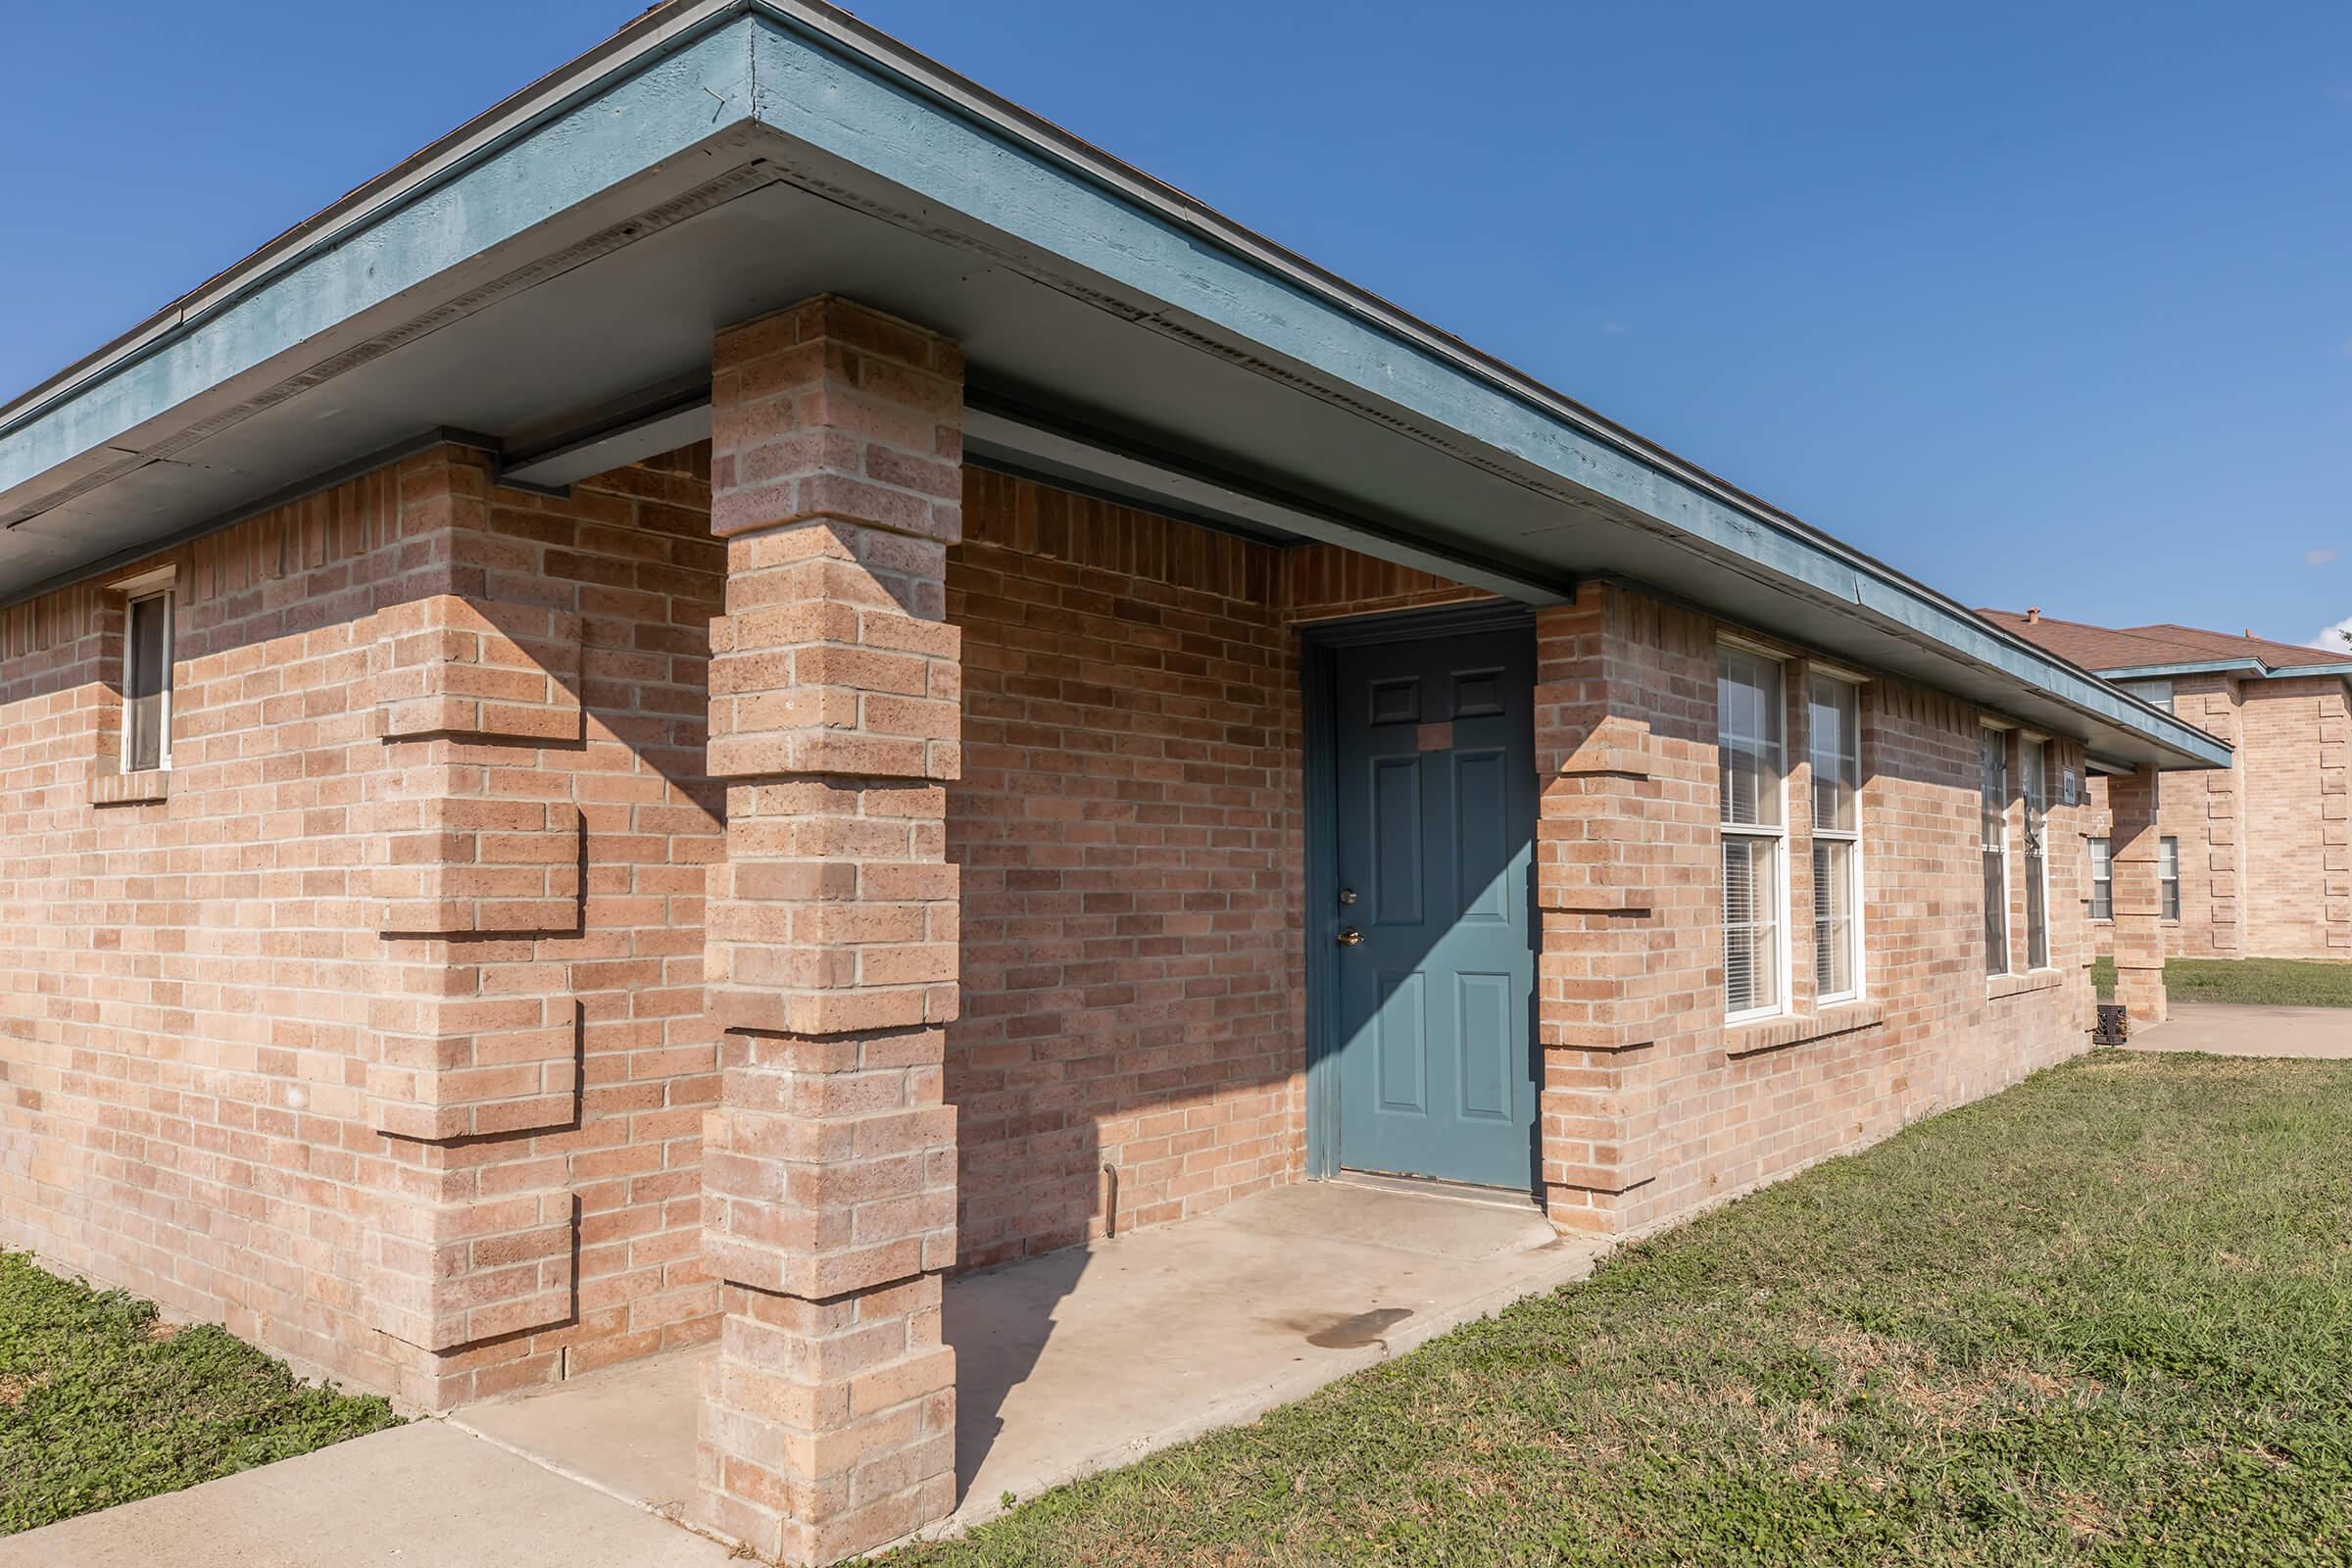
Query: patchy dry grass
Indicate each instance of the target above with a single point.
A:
(2104, 1318)
(102, 1402)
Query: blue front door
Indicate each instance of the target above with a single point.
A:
(1433, 763)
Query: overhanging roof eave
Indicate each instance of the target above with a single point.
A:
(1347, 338)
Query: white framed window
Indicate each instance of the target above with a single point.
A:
(2168, 875)
(146, 686)
(2102, 881)
(1993, 786)
(1752, 773)
(1834, 743)
(2033, 774)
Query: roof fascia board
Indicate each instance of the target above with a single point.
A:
(584, 136)
(816, 75)
(826, 83)
(650, 34)
(2225, 667)
(2218, 667)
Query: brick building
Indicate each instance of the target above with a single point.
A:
(674, 722)
(2254, 859)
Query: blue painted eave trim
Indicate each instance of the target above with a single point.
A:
(583, 139)
(819, 77)
(2225, 666)
(934, 139)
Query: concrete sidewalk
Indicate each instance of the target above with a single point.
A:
(1069, 1363)
(1089, 1358)
(2232, 1029)
(423, 1495)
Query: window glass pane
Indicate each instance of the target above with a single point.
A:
(1834, 917)
(2102, 882)
(1993, 783)
(2033, 764)
(1747, 698)
(2168, 874)
(144, 673)
(1751, 966)
(1833, 712)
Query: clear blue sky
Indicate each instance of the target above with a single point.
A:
(2043, 303)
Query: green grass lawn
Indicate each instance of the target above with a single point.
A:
(2276, 982)
(2104, 1318)
(101, 1403)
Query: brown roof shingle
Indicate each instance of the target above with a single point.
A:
(2105, 648)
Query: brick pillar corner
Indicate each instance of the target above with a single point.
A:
(827, 1424)
(1599, 893)
(2138, 898)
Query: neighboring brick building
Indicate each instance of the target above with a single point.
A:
(669, 725)
(2256, 858)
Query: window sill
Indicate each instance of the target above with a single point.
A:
(1998, 986)
(143, 788)
(1744, 1040)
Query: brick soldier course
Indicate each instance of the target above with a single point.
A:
(807, 764)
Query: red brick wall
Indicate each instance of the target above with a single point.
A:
(206, 1081)
(1651, 1104)
(2298, 769)
(2266, 844)
(188, 1099)
(1126, 827)
(2206, 812)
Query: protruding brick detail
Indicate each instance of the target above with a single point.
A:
(835, 909)
(448, 1271)
(469, 668)
(222, 1086)
(829, 1168)
(460, 1063)
(1651, 1103)
(461, 854)
(832, 413)
(829, 1425)
(1624, 854)
(2133, 836)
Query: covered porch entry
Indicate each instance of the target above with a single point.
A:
(1090, 863)
(1091, 1358)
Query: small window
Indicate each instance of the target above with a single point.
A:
(1992, 788)
(1833, 732)
(2102, 882)
(2032, 762)
(147, 683)
(2168, 875)
(1749, 773)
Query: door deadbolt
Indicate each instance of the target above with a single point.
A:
(1347, 894)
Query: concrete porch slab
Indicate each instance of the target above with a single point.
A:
(2236, 1029)
(1090, 1358)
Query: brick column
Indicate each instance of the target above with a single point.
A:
(1629, 910)
(2133, 849)
(828, 1421)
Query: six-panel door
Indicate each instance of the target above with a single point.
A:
(1435, 767)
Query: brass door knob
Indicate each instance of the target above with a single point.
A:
(1349, 936)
